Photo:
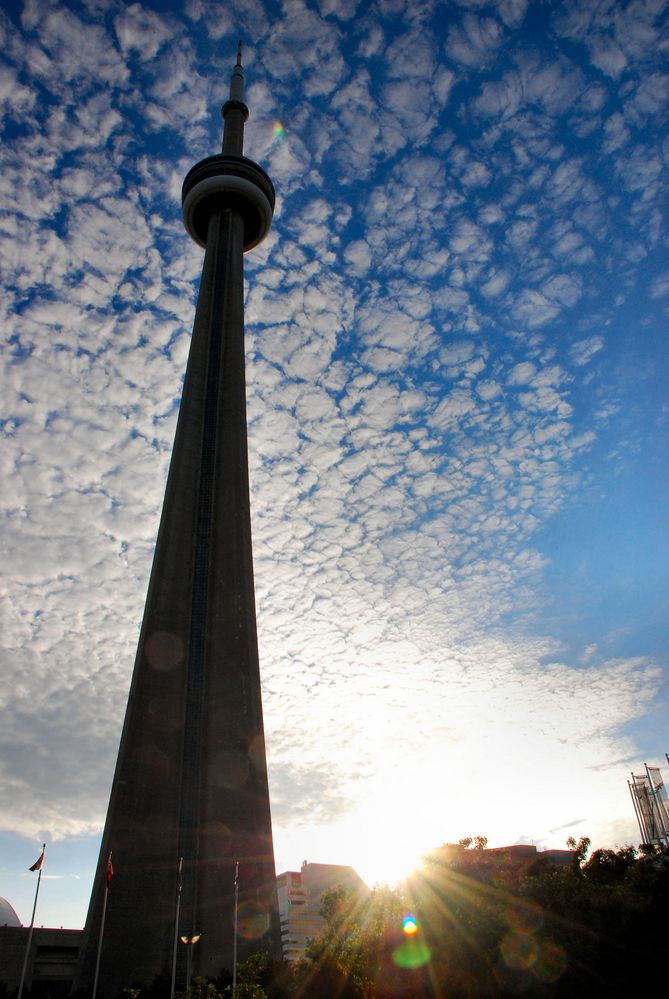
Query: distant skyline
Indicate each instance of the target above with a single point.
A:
(457, 402)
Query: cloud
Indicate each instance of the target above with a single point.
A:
(438, 331)
(613, 34)
(584, 350)
(142, 32)
(305, 44)
(660, 286)
(358, 256)
(534, 309)
(76, 49)
(551, 85)
(474, 41)
(496, 283)
(343, 10)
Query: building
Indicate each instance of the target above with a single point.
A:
(188, 824)
(300, 895)
(52, 960)
(517, 858)
(526, 855)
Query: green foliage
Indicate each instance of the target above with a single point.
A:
(250, 975)
(495, 924)
(609, 866)
(579, 851)
(607, 916)
(352, 957)
(201, 988)
(258, 977)
(158, 989)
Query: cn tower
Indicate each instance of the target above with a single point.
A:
(191, 776)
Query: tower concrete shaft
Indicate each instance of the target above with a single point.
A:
(191, 777)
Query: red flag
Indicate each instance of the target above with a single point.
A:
(110, 872)
(39, 863)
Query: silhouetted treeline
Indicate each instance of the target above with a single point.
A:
(495, 927)
(490, 925)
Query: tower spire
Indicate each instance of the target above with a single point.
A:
(237, 80)
(235, 111)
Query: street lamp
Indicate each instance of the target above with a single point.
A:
(190, 942)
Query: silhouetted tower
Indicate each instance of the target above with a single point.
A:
(191, 776)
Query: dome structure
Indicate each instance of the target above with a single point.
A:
(8, 916)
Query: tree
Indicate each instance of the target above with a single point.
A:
(579, 851)
(359, 954)
(201, 988)
(339, 958)
(262, 977)
(609, 866)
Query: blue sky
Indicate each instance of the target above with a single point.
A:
(457, 402)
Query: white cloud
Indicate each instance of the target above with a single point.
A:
(495, 284)
(142, 32)
(426, 382)
(607, 55)
(76, 48)
(358, 256)
(534, 309)
(475, 41)
(303, 43)
(660, 286)
(584, 350)
(343, 10)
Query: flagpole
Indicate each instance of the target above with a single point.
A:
(32, 921)
(108, 875)
(176, 929)
(234, 939)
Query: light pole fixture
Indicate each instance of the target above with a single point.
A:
(190, 942)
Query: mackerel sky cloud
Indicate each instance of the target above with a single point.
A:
(457, 404)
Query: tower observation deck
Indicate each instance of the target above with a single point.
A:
(191, 776)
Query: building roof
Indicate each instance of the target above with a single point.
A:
(8, 916)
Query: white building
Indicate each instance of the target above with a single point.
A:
(300, 899)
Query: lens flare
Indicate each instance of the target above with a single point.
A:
(411, 953)
(551, 963)
(279, 130)
(519, 950)
(252, 920)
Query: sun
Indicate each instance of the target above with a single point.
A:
(390, 829)
(389, 860)
(399, 815)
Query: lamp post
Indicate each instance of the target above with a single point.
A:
(190, 942)
(176, 927)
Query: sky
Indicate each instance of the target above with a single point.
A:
(457, 401)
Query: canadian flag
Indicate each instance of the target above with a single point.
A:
(39, 863)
